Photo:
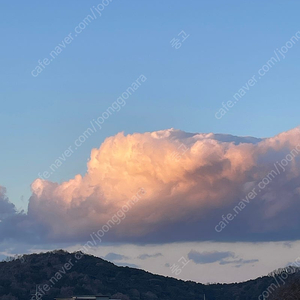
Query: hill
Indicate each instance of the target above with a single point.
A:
(59, 274)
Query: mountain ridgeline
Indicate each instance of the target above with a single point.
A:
(62, 274)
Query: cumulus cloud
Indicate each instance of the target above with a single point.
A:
(12, 223)
(190, 180)
(17, 229)
(6, 208)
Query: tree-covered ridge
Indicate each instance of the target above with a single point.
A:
(69, 274)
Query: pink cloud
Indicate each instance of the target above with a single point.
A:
(189, 179)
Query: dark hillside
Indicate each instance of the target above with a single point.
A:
(66, 275)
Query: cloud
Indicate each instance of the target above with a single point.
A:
(146, 256)
(208, 257)
(114, 256)
(224, 258)
(7, 208)
(128, 265)
(239, 262)
(190, 180)
(17, 230)
(13, 224)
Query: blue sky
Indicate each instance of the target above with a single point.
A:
(229, 41)
(41, 116)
